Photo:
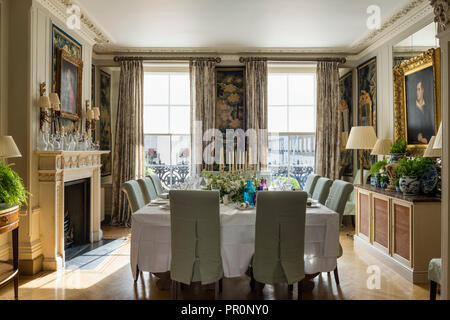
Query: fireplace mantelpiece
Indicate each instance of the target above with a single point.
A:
(56, 168)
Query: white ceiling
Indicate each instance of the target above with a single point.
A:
(236, 23)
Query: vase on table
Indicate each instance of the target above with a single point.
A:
(249, 193)
(410, 185)
(429, 179)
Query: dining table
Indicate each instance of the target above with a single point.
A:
(151, 238)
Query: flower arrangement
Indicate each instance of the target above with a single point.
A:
(230, 183)
(414, 167)
(378, 167)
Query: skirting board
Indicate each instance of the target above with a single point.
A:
(416, 277)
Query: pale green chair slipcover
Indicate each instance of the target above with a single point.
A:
(434, 275)
(280, 237)
(134, 195)
(157, 183)
(321, 190)
(195, 236)
(148, 189)
(350, 205)
(311, 182)
(337, 198)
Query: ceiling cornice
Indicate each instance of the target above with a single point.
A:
(104, 45)
(90, 30)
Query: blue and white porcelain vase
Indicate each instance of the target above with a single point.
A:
(429, 179)
(395, 157)
(410, 185)
(375, 180)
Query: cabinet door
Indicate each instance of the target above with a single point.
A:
(401, 232)
(364, 214)
(381, 222)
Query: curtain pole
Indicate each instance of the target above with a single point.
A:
(338, 59)
(127, 58)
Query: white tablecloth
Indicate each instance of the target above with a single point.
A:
(150, 240)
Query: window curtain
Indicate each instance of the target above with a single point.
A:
(328, 120)
(203, 101)
(128, 160)
(256, 96)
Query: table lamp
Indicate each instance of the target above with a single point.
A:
(8, 148)
(438, 141)
(431, 152)
(381, 147)
(361, 138)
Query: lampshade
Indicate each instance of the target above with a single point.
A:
(438, 140)
(430, 152)
(44, 102)
(382, 147)
(96, 113)
(8, 148)
(90, 115)
(362, 138)
(54, 100)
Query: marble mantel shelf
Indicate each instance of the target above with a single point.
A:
(63, 160)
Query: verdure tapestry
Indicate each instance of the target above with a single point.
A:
(105, 121)
(346, 108)
(367, 102)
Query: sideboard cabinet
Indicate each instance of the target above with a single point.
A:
(403, 232)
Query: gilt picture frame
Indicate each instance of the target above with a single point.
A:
(69, 85)
(417, 100)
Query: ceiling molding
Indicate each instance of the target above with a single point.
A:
(402, 19)
(408, 16)
(90, 30)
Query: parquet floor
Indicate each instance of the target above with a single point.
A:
(112, 279)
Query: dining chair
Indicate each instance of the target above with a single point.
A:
(350, 206)
(321, 190)
(134, 195)
(336, 201)
(434, 275)
(279, 239)
(157, 183)
(311, 182)
(195, 239)
(148, 189)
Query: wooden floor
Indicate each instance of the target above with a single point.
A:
(112, 279)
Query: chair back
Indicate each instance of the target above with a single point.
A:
(338, 196)
(195, 234)
(311, 182)
(322, 189)
(134, 195)
(148, 189)
(157, 183)
(280, 237)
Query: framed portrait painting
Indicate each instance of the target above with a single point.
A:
(367, 103)
(69, 84)
(417, 99)
(346, 109)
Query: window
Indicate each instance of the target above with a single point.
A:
(292, 124)
(167, 125)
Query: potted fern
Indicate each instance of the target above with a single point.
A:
(410, 172)
(398, 150)
(375, 171)
(12, 191)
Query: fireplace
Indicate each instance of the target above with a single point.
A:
(76, 216)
